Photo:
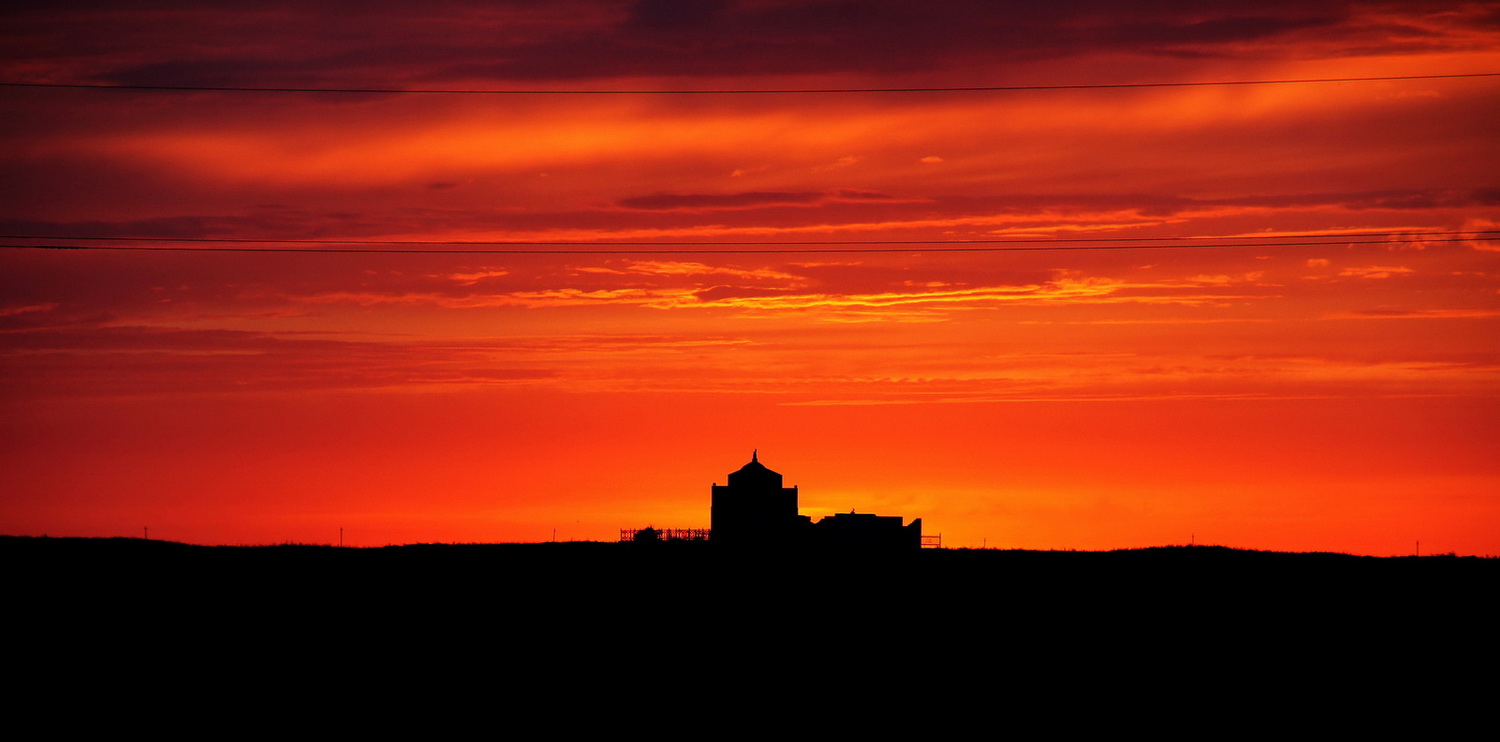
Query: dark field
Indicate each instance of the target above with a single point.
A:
(679, 579)
(433, 640)
(685, 610)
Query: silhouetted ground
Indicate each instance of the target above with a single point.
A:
(665, 623)
(667, 580)
(1176, 575)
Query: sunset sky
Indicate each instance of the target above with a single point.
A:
(1299, 350)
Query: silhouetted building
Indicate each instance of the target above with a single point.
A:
(868, 531)
(755, 509)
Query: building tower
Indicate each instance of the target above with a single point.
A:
(754, 508)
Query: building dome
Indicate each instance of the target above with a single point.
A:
(755, 475)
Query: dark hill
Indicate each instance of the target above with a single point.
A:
(519, 626)
(588, 572)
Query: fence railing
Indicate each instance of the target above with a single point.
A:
(664, 534)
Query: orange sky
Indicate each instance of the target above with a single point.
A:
(1335, 396)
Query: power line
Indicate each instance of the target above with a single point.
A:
(670, 243)
(731, 91)
(733, 248)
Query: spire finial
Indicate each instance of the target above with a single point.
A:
(754, 455)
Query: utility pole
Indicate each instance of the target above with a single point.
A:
(147, 529)
(341, 537)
